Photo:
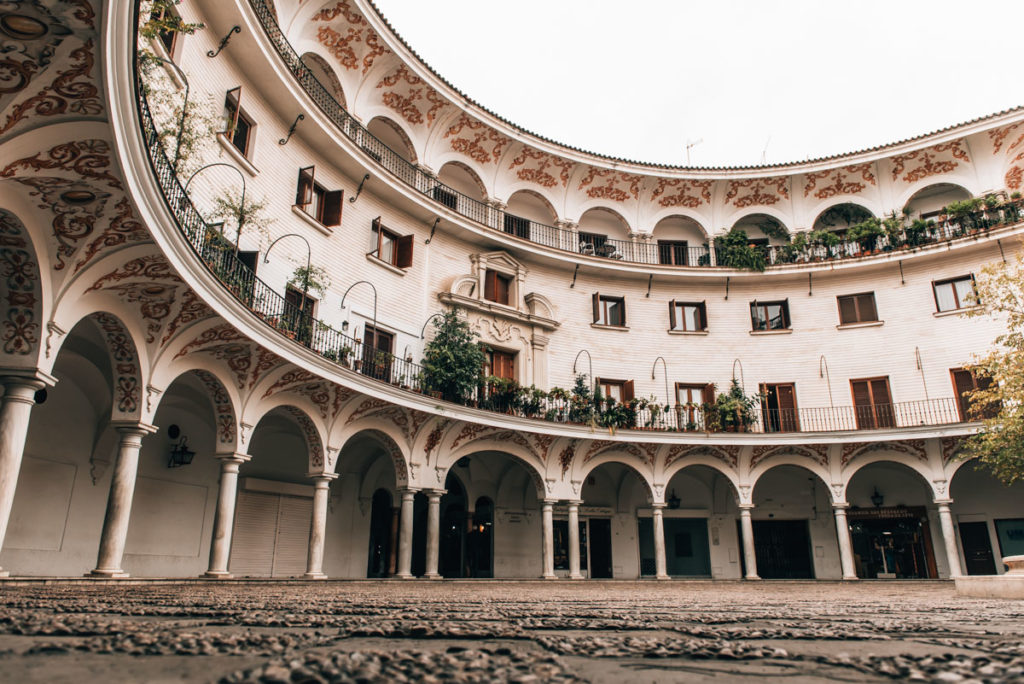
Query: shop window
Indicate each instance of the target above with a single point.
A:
(390, 247)
(872, 403)
(316, 201)
(687, 316)
(769, 315)
(954, 293)
(858, 308)
(241, 129)
(672, 252)
(497, 287)
(609, 310)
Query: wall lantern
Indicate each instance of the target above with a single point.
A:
(673, 500)
(877, 498)
(181, 455)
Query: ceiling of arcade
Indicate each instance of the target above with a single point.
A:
(72, 247)
(443, 128)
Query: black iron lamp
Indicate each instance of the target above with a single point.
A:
(673, 500)
(877, 498)
(181, 455)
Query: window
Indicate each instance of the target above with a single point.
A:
(317, 202)
(672, 252)
(609, 310)
(500, 364)
(769, 315)
(168, 17)
(518, 226)
(778, 408)
(240, 128)
(687, 316)
(391, 248)
(620, 390)
(377, 345)
(964, 382)
(298, 314)
(446, 197)
(593, 243)
(872, 403)
(858, 308)
(955, 293)
(497, 287)
(689, 398)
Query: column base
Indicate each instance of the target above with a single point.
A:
(851, 579)
(405, 577)
(110, 574)
(752, 578)
(314, 576)
(576, 577)
(432, 576)
(662, 577)
(549, 577)
(217, 574)
(5, 573)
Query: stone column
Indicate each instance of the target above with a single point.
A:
(660, 564)
(119, 501)
(318, 526)
(224, 518)
(15, 407)
(574, 540)
(405, 535)
(433, 531)
(747, 532)
(845, 544)
(949, 537)
(548, 538)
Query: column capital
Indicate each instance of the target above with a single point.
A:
(133, 427)
(746, 507)
(549, 502)
(322, 477)
(659, 505)
(26, 376)
(232, 457)
(435, 493)
(571, 503)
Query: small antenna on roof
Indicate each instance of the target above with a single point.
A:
(764, 152)
(690, 144)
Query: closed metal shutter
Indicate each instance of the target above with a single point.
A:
(271, 535)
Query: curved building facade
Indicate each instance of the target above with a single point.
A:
(222, 253)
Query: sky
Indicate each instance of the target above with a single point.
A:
(753, 80)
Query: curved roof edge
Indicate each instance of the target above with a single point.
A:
(561, 148)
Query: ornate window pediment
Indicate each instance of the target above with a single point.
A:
(496, 286)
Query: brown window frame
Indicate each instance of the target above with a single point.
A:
(786, 320)
(963, 405)
(237, 113)
(158, 14)
(628, 390)
(676, 251)
(786, 419)
(497, 284)
(600, 303)
(402, 251)
(693, 414)
(372, 339)
(673, 315)
(327, 204)
(857, 304)
(951, 281)
(874, 415)
(511, 356)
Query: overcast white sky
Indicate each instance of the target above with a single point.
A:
(638, 79)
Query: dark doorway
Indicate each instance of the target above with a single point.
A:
(480, 540)
(977, 548)
(380, 534)
(419, 535)
(600, 548)
(451, 559)
(778, 408)
(686, 547)
(891, 542)
(783, 549)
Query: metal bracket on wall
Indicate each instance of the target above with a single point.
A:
(650, 279)
(359, 189)
(574, 273)
(810, 286)
(902, 280)
(284, 140)
(224, 41)
(727, 287)
(432, 229)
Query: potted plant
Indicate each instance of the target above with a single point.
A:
(733, 411)
(735, 251)
(452, 359)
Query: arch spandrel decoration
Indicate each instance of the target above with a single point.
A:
(20, 295)
(125, 366)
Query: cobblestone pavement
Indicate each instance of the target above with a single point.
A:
(506, 631)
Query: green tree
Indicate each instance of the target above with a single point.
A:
(999, 446)
(453, 359)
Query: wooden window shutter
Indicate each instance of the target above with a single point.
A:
(847, 310)
(490, 282)
(403, 251)
(332, 207)
(862, 408)
(236, 106)
(628, 391)
(963, 382)
(880, 391)
(622, 305)
(304, 192)
(786, 322)
(703, 308)
(672, 315)
(377, 237)
(597, 306)
(708, 394)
